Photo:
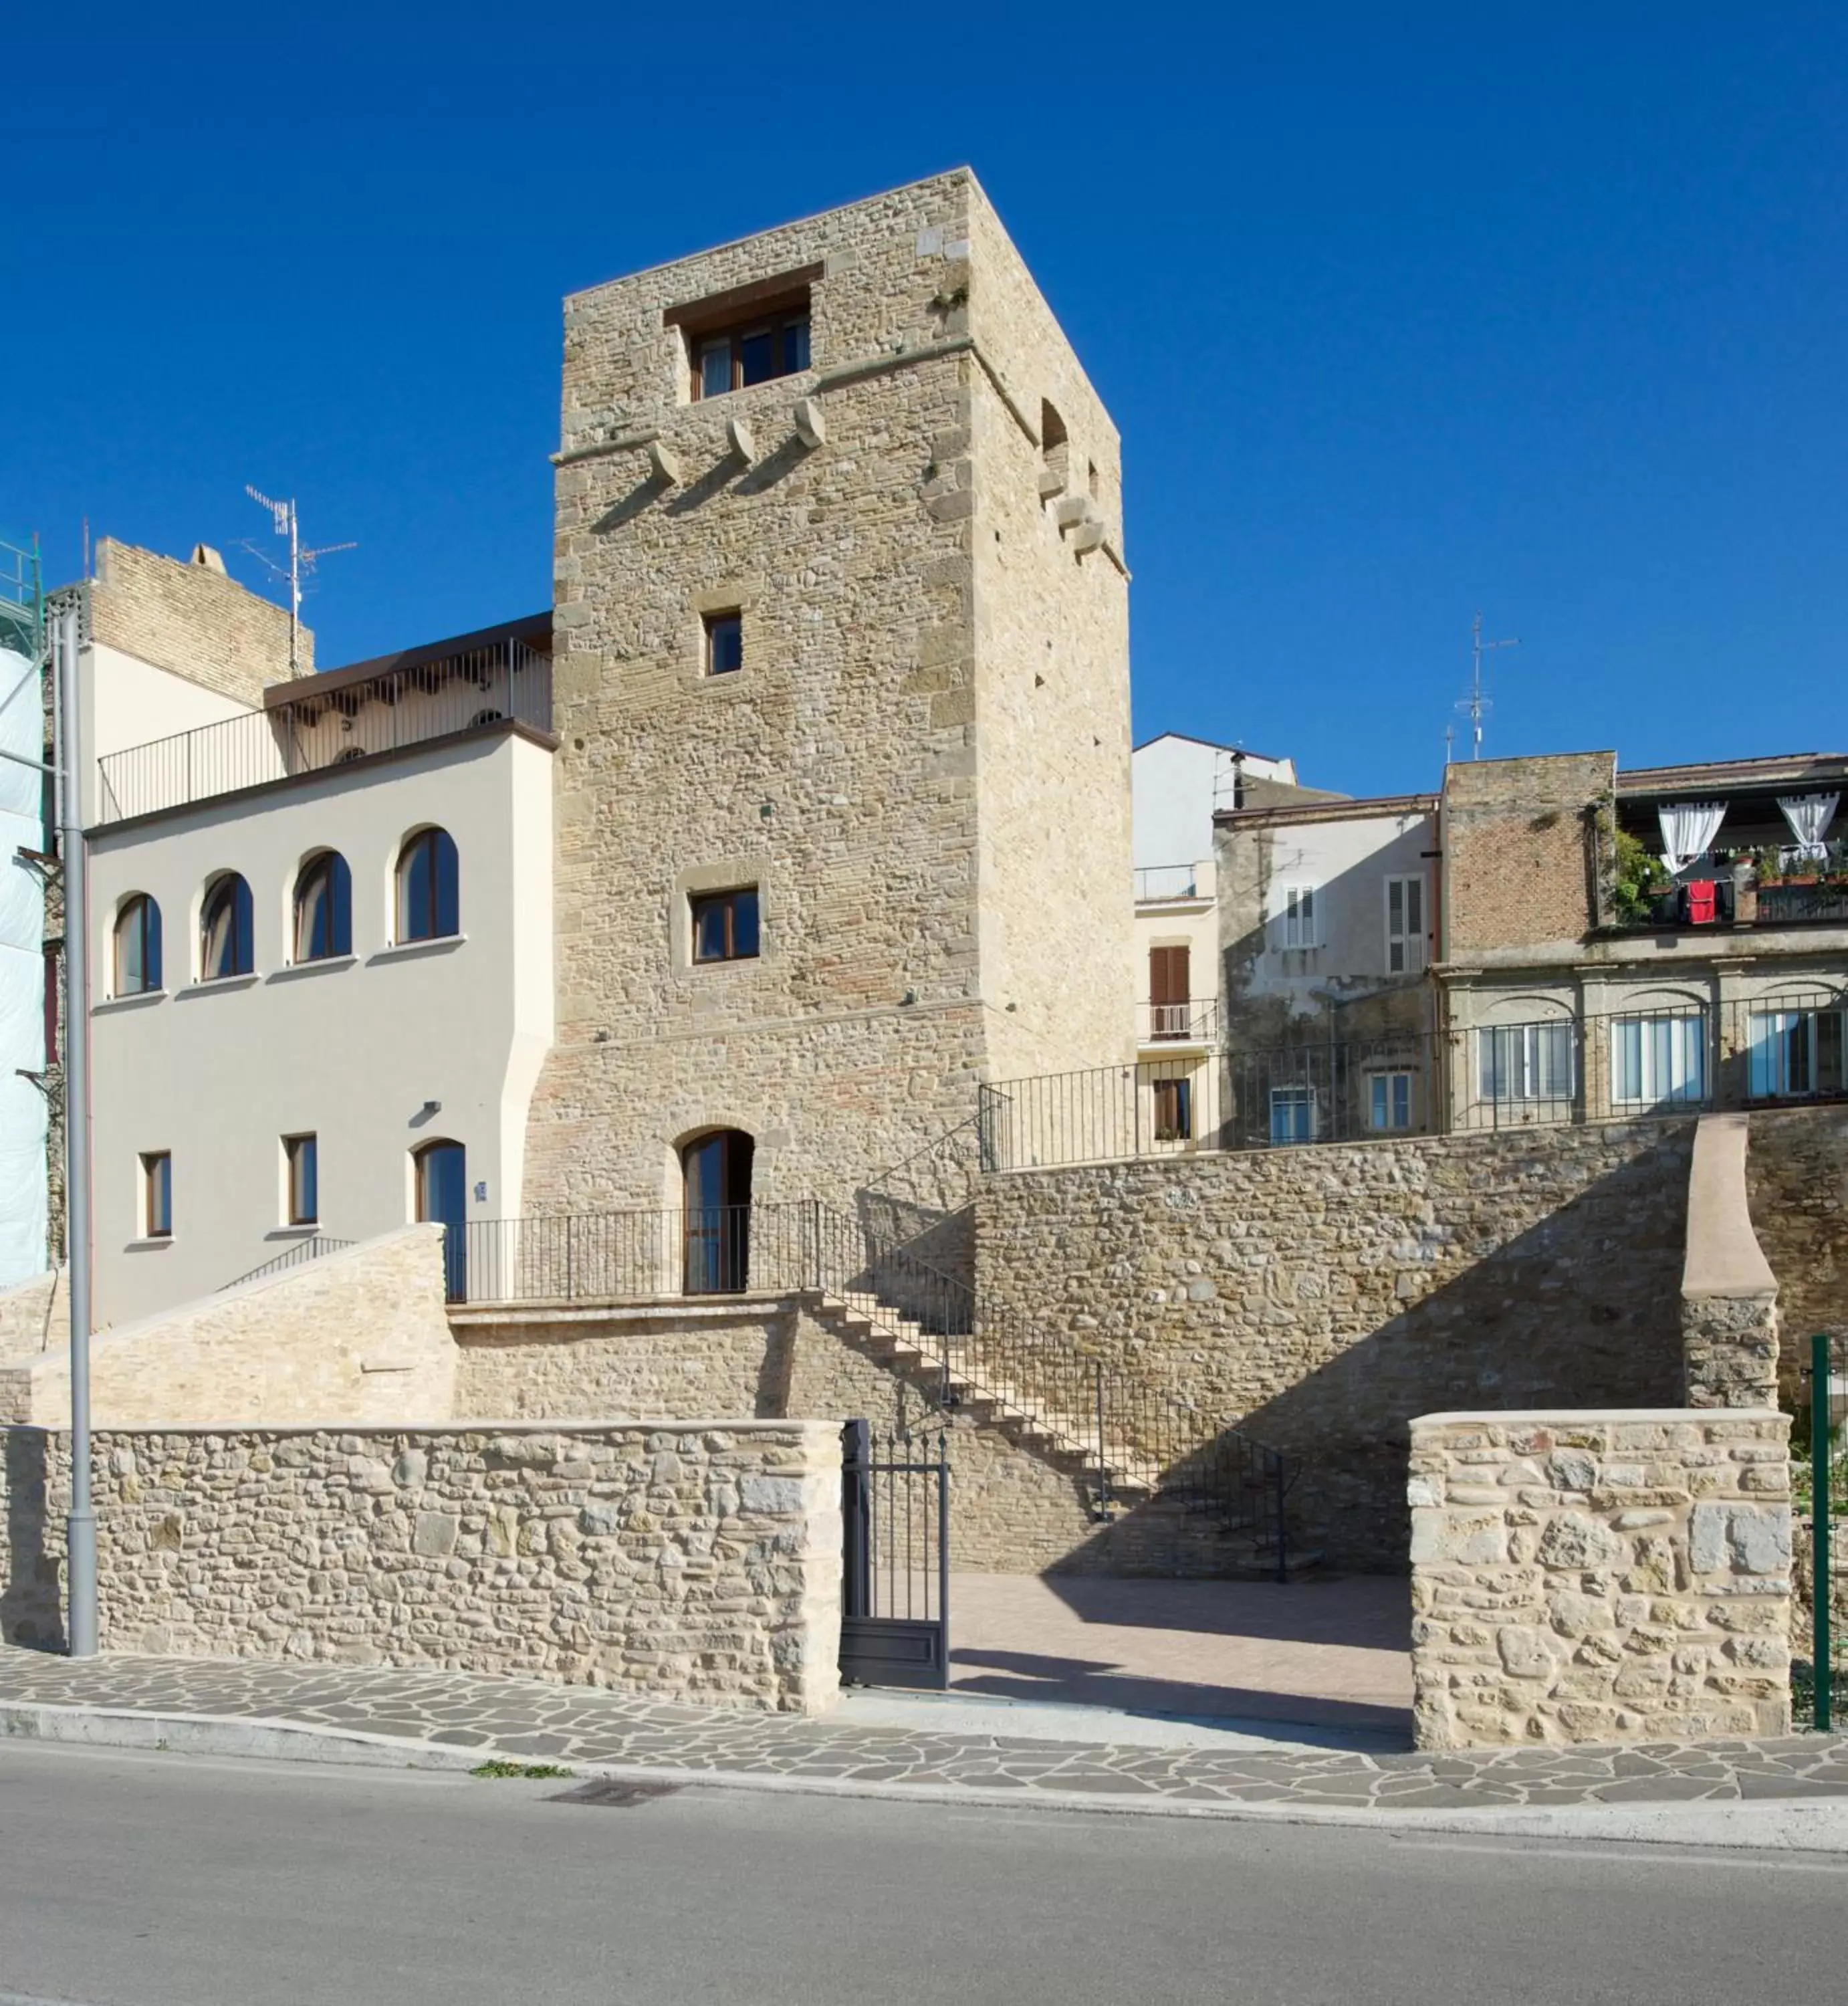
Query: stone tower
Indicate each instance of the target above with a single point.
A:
(841, 620)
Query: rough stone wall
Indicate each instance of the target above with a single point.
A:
(1051, 685)
(1600, 1577)
(358, 1336)
(1522, 866)
(1320, 1298)
(1797, 1173)
(36, 1316)
(192, 621)
(842, 770)
(698, 1561)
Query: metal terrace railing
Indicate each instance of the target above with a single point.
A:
(330, 727)
(298, 1256)
(1675, 1059)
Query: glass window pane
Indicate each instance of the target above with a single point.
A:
(708, 930)
(413, 892)
(150, 944)
(449, 914)
(744, 924)
(725, 644)
(795, 346)
(1402, 1100)
(304, 1195)
(131, 973)
(715, 368)
(757, 356)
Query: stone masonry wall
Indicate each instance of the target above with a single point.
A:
(698, 1561)
(1320, 1298)
(1520, 850)
(1797, 1173)
(1600, 1577)
(35, 1316)
(1015, 1511)
(356, 1336)
(192, 620)
(846, 770)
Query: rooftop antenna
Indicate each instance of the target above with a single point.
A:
(288, 524)
(1477, 704)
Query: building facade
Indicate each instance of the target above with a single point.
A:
(804, 812)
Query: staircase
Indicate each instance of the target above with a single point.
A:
(1131, 1449)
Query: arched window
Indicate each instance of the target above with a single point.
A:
(715, 1169)
(1054, 450)
(323, 908)
(224, 929)
(137, 946)
(427, 906)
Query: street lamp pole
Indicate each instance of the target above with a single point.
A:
(80, 1533)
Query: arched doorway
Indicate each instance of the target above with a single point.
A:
(443, 1197)
(715, 1169)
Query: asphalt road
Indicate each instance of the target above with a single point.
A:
(167, 1881)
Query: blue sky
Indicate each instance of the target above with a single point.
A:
(1403, 312)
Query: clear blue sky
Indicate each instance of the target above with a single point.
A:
(1403, 311)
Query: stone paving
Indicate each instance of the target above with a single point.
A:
(586, 1729)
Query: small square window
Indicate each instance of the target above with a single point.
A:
(156, 1195)
(1173, 1111)
(303, 1154)
(725, 925)
(724, 643)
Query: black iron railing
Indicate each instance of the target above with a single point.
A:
(1674, 1059)
(297, 1256)
(325, 728)
(1127, 1443)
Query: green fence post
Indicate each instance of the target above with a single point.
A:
(1822, 1652)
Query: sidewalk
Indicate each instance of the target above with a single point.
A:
(454, 1720)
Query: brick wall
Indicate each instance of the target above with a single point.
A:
(700, 1562)
(1600, 1577)
(1521, 850)
(192, 621)
(1320, 1298)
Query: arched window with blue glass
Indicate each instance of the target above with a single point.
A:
(429, 905)
(224, 929)
(137, 947)
(323, 908)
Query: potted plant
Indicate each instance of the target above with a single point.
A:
(1638, 881)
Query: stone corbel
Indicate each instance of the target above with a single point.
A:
(738, 436)
(661, 459)
(811, 427)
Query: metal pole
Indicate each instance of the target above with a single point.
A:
(1820, 1581)
(80, 1533)
(857, 1596)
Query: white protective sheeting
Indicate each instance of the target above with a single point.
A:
(22, 1112)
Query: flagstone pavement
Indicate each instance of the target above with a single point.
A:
(586, 1729)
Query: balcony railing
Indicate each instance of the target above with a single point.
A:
(325, 728)
(1793, 904)
(1560, 1071)
(1194, 1022)
(1158, 881)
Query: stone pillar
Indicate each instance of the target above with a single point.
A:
(1601, 1577)
(1729, 1294)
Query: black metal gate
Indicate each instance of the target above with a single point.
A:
(895, 1590)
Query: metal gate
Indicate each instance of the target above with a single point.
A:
(1827, 1691)
(895, 1590)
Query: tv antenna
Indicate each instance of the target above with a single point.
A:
(1477, 704)
(288, 524)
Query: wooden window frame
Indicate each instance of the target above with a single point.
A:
(405, 917)
(1413, 942)
(1178, 1126)
(768, 306)
(140, 915)
(709, 624)
(153, 1162)
(240, 924)
(295, 1149)
(699, 902)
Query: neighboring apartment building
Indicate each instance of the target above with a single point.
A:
(805, 810)
(1177, 783)
(1547, 939)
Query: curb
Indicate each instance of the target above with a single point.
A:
(1789, 1825)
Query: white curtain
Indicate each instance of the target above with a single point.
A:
(1809, 815)
(1688, 828)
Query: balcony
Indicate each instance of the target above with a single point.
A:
(336, 720)
(1194, 1022)
(1168, 884)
